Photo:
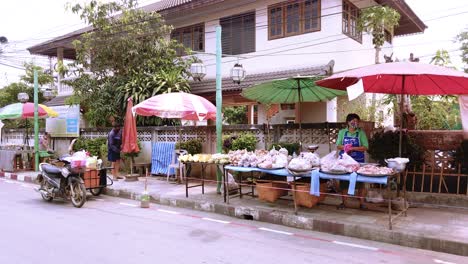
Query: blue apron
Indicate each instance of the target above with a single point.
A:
(355, 142)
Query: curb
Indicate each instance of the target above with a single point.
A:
(402, 238)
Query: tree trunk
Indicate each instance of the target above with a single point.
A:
(374, 96)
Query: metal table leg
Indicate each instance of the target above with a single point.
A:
(203, 178)
(240, 185)
(186, 181)
(294, 195)
(389, 205)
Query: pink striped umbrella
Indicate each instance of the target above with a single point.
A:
(177, 105)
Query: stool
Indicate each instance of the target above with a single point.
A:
(140, 167)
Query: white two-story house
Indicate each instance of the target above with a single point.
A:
(271, 39)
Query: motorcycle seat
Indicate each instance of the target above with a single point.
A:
(51, 169)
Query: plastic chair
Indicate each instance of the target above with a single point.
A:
(176, 165)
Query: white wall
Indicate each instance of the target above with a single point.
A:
(316, 48)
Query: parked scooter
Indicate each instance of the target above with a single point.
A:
(65, 182)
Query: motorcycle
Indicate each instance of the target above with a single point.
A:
(65, 182)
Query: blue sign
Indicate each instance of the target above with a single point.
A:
(72, 125)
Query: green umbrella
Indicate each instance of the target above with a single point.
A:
(291, 90)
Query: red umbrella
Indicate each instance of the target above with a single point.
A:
(402, 78)
(129, 137)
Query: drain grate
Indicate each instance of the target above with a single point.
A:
(247, 217)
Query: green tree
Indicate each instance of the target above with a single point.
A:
(375, 20)
(130, 56)
(463, 39)
(442, 58)
(235, 115)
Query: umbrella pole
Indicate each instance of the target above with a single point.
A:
(401, 115)
(300, 113)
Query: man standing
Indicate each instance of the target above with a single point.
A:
(114, 143)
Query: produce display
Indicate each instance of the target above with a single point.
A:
(338, 163)
(278, 159)
(305, 161)
(375, 170)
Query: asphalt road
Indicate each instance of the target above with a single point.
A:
(113, 230)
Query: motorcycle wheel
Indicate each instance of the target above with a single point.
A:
(96, 191)
(80, 193)
(46, 197)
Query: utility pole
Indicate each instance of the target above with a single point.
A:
(219, 104)
(36, 122)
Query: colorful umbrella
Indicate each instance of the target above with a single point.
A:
(402, 78)
(291, 90)
(129, 137)
(177, 105)
(25, 110)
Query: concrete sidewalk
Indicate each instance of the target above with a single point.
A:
(437, 229)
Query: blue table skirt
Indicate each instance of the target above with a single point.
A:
(316, 175)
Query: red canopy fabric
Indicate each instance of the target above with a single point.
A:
(402, 78)
(129, 137)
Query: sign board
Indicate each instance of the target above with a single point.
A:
(67, 124)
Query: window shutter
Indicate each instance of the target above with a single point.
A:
(238, 33)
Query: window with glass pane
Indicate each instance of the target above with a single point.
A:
(350, 18)
(276, 22)
(311, 15)
(291, 18)
(192, 37)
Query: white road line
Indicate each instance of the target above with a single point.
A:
(8, 181)
(26, 186)
(127, 204)
(214, 220)
(167, 211)
(355, 245)
(443, 262)
(275, 231)
(97, 199)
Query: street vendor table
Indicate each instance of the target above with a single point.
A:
(203, 165)
(315, 176)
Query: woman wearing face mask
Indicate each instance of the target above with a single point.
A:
(353, 141)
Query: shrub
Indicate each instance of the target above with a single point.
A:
(291, 147)
(384, 145)
(93, 146)
(246, 141)
(193, 146)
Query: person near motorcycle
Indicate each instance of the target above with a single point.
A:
(353, 141)
(114, 144)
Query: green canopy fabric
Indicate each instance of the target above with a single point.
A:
(291, 90)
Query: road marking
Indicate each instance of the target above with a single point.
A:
(167, 211)
(214, 220)
(443, 262)
(355, 245)
(128, 204)
(275, 231)
(98, 199)
(26, 186)
(8, 181)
